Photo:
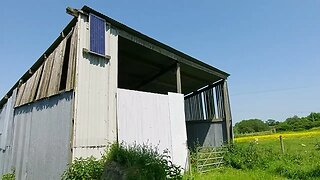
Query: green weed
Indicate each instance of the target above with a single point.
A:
(136, 162)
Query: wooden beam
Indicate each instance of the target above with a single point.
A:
(149, 80)
(127, 56)
(227, 111)
(178, 76)
(193, 63)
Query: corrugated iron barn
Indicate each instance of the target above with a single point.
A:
(101, 82)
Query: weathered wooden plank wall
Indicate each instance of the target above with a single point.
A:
(208, 116)
(46, 80)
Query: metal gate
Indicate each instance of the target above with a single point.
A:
(209, 158)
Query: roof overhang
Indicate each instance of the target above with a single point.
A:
(155, 70)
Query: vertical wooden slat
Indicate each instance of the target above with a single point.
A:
(72, 59)
(206, 115)
(27, 90)
(187, 109)
(44, 82)
(178, 76)
(20, 94)
(212, 102)
(193, 108)
(218, 97)
(200, 107)
(55, 76)
(209, 110)
(35, 85)
(227, 110)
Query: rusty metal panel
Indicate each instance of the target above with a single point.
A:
(41, 142)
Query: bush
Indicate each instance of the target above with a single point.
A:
(84, 168)
(247, 157)
(143, 162)
(8, 176)
(125, 162)
(317, 146)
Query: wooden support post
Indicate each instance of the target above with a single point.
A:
(281, 144)
(178, 76)
(227, 111)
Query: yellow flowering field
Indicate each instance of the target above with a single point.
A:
(310, 133)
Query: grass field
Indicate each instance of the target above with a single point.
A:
(260, 157)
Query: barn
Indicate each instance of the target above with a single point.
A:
(102, 82)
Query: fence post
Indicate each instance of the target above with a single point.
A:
(281, 144)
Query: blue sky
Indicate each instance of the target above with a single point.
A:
(271, 48)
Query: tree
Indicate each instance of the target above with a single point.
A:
(271, 122)
(314, 117)
(251, 125)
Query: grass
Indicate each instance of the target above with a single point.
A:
(260, 157)
(228, 173)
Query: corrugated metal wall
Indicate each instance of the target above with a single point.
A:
(95, 94)
(206, 133)
(153, 119)
(42, 133)
(6, 131)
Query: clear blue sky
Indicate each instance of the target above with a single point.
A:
(271, 48)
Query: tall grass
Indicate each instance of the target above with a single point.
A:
(300, 161)
(135, 162)
(143, 162)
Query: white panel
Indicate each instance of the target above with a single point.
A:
(143, 118)
(95, 95)
(178, 129)
(148, 118)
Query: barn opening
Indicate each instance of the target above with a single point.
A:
(206, 103)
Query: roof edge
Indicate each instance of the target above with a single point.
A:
(151, 40)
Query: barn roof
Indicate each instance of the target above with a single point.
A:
(190, 64)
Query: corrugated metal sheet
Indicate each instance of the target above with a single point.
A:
(153, 119)
(95, 98)
(42, 132)
(6, 131)
(206, 133)
(97, 34)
